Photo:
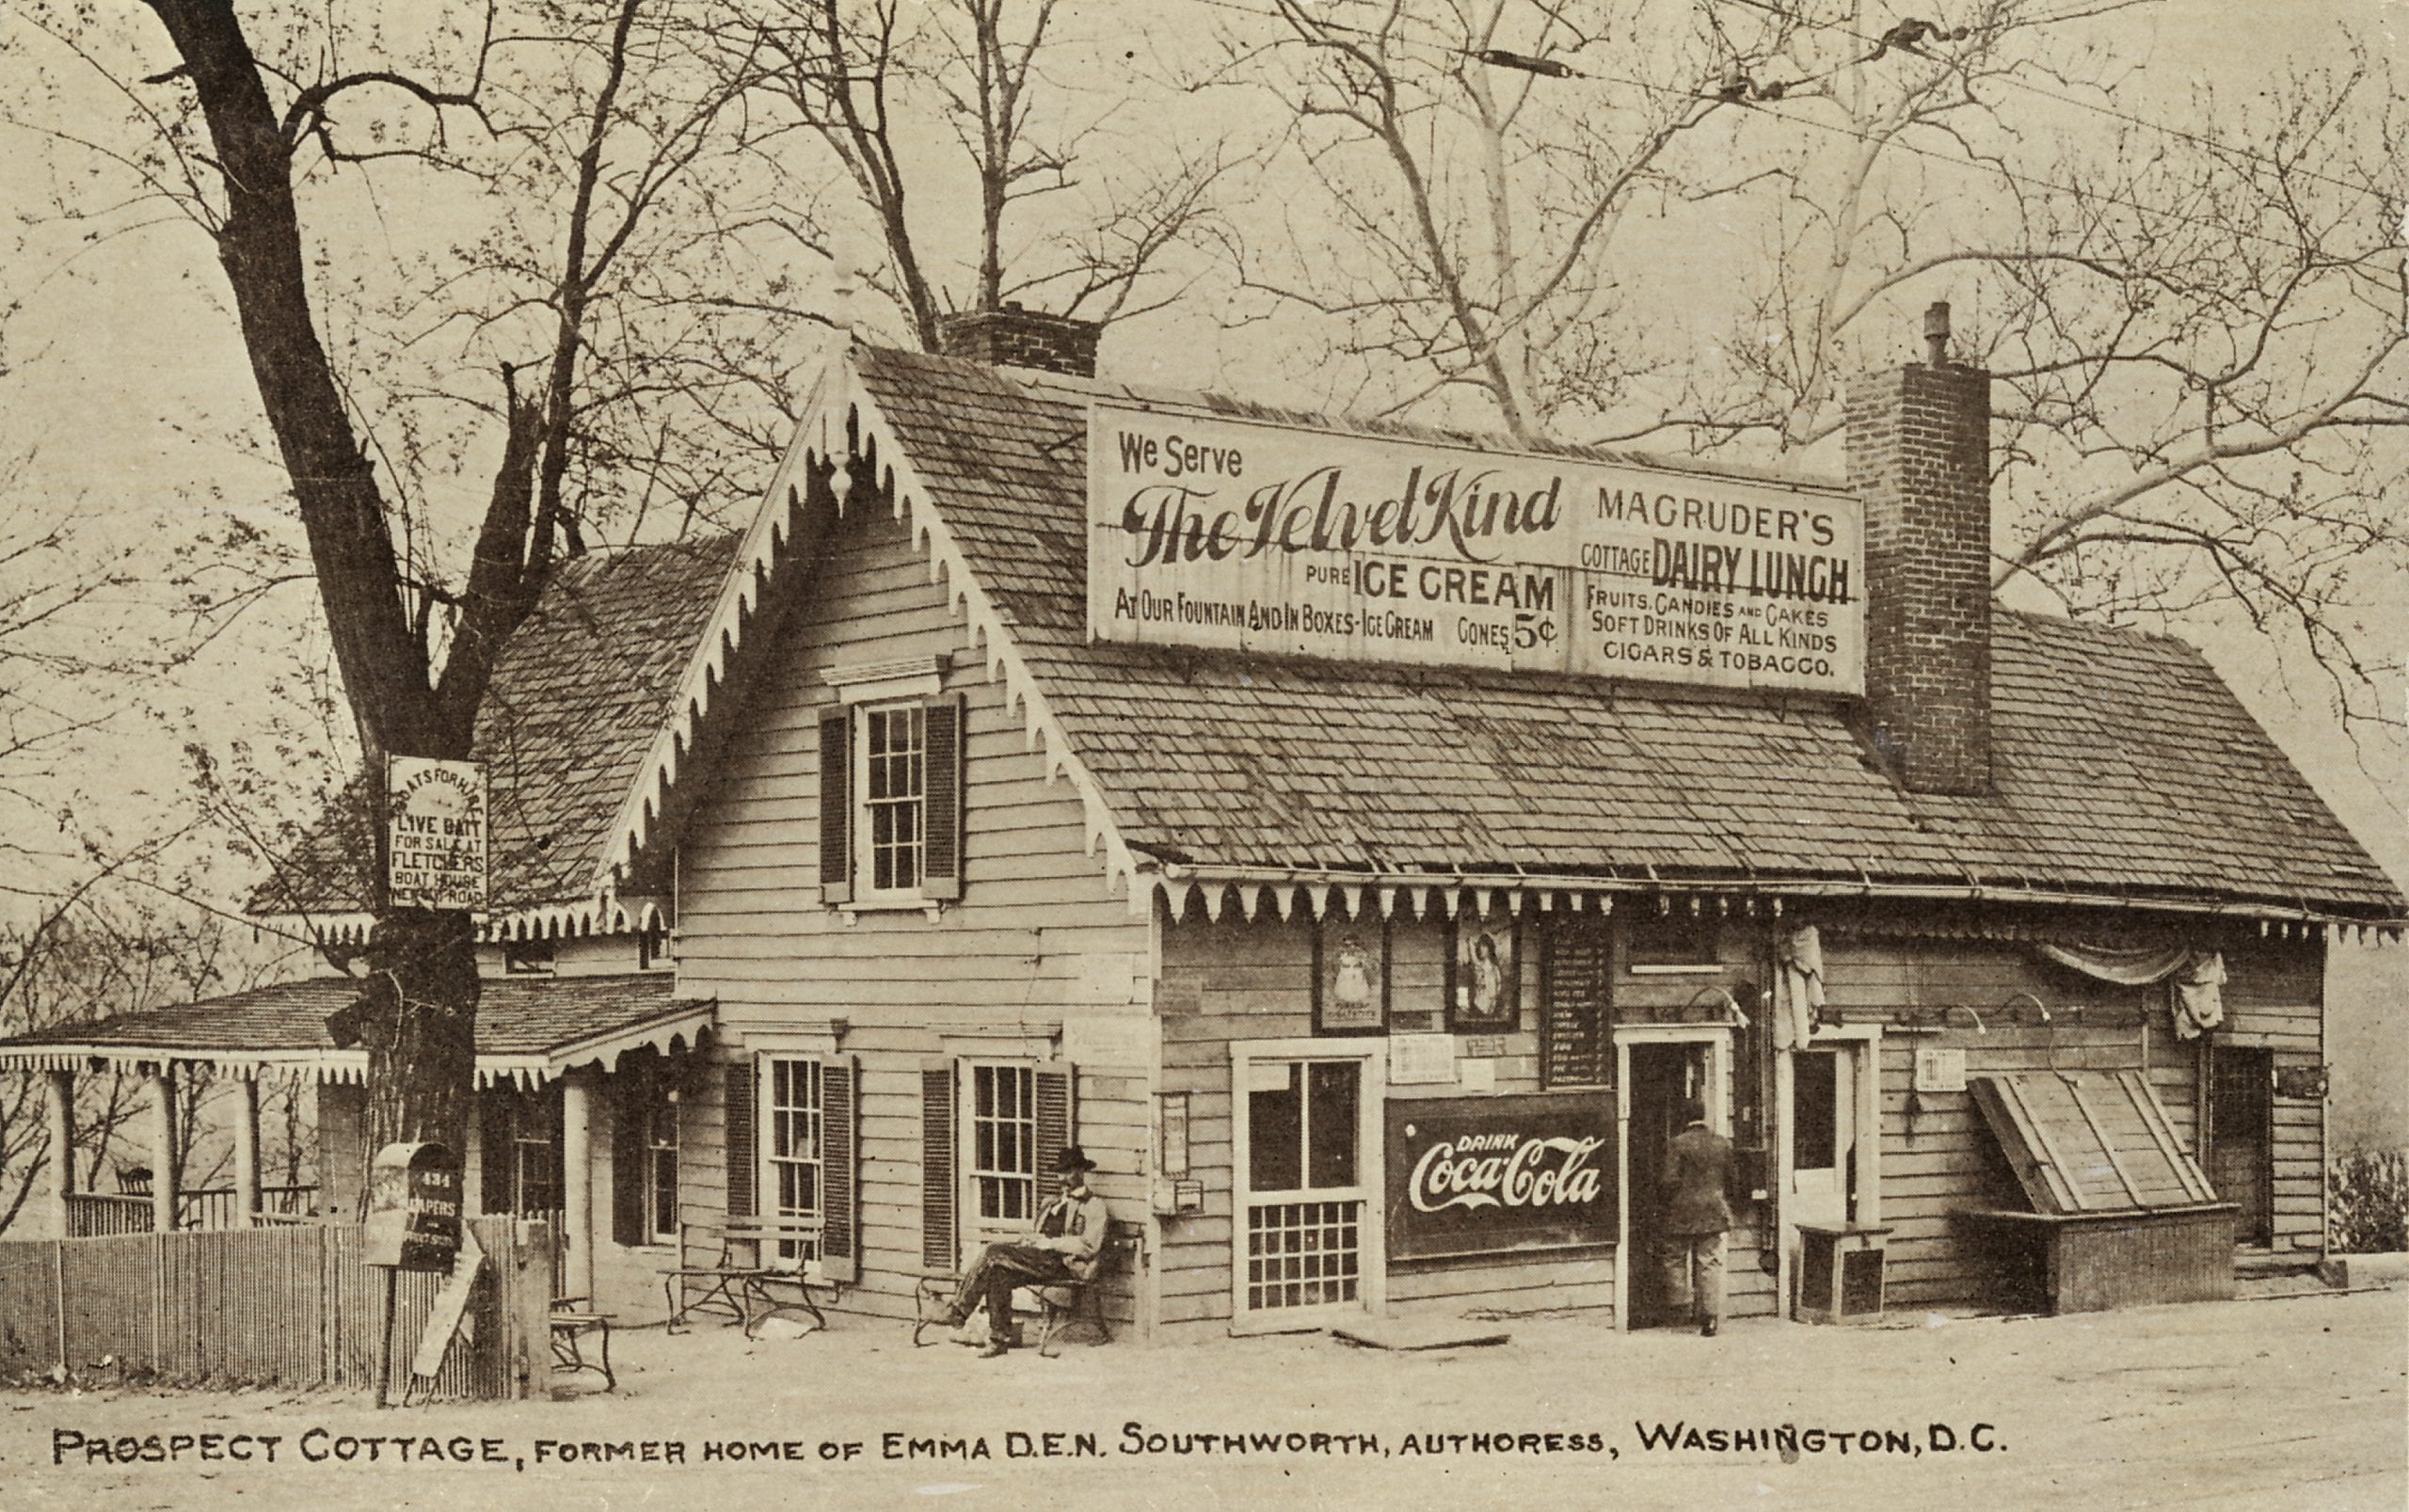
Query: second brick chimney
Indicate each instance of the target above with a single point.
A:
(1015, 337)
(1920, 456)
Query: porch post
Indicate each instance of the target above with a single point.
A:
(577, 1177)
(162, 1084)
(246, 1151)
(58, 1110)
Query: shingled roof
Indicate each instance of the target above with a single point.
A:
(2122, 763)
(576, 697)
(2124, 767)
(526, 1027)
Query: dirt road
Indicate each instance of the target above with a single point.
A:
(2292, 1402)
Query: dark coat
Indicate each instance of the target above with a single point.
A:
(1697, 1175)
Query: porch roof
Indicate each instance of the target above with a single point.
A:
(529, 1029)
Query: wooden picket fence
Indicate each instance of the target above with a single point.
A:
(291, 1306)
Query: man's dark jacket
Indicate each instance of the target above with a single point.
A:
(1698, 1173)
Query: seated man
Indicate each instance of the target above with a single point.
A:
(1069, 1237)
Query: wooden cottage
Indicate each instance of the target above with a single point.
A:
(1364, 840)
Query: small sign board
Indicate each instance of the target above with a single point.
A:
(413, 1207)
(435, 832)
(1940, 1070)
(1421, 1059)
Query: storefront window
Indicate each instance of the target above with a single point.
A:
(1301, 1130)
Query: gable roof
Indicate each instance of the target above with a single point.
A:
(528, 1029)
(2123, 765)
(2125, 770)
(577, 696)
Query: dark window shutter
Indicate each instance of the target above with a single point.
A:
(493, 1151)
(839, 1166)
(942, 859)
(742, 1146)
(837, 806)
(628, 1173)
(1057, 1120)
(937, 1185)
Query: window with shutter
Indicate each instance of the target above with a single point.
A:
(840, 1238)
(741, 1148)
(836, 805)
(890, 813)
(628, 1175)
(1057, 1120)
(941, 856)
(937, 1228)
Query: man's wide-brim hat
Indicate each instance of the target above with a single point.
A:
(1072, 1158)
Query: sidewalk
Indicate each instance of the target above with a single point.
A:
(2295, 1401)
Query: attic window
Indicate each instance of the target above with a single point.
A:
(528, 958)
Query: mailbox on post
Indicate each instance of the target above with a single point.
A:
(413, 1207)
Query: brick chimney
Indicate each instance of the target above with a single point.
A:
(1015, 337)
(1920, 456)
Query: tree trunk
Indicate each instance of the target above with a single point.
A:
(417, 1017)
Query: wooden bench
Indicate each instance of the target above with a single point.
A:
(741, 1266)
(1057, 1303)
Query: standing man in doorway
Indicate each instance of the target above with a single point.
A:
(1697, 1211)
(1069, 1238)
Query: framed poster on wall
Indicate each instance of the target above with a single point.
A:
(1484, 973)
(1350, 975)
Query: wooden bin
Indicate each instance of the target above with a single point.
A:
(2092, 1262)
(1841, 1272)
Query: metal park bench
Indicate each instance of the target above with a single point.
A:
(572, 1319)
(742, 1267)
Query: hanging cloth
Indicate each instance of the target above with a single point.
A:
(2196, 998)
(1801, 987)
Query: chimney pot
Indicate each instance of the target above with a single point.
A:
(1936, 332)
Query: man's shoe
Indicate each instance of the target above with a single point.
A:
(1709, 1328)
(993, 1347)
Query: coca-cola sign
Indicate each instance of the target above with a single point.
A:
(1476, 1175)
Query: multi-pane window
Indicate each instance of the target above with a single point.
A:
(895, 788)
(660, 1163)
(793, 1129)
(1301, 1132)
(1003, 1141)
(529, 1148)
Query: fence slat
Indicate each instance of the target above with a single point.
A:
(285, 1305)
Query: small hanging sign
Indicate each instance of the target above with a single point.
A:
(435, 816)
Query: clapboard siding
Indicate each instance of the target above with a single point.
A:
(1035, 948)
(1237, 979)
(1937, 1156)
(2275, 996)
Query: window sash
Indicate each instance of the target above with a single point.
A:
(894, 784)
(1003, 1138)
(793, 1115)
(660, 1164)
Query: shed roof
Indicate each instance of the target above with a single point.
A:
(528, 1029)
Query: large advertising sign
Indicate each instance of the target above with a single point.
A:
(1239, 535)
(1480, 1175)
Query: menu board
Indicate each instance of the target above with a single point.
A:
(1576, 989)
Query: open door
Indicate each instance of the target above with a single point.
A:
(1829, 1107)
(1663, 1069)
(2241, 1139)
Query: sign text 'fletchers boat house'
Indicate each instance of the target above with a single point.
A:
(1367, 845)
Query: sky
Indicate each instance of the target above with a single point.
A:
(130, 394)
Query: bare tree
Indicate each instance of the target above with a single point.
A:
(572, 124)
(865, 79)
(2198, 323)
